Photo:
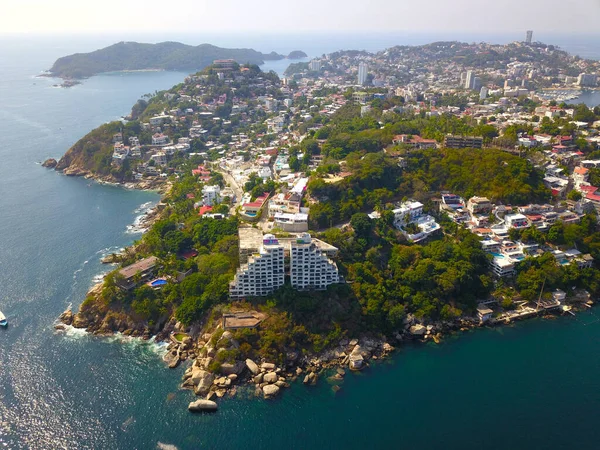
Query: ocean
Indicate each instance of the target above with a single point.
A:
(532, 385)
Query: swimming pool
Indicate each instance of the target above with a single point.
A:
(158, 282)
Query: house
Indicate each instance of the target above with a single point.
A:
(160, 139)
(137, 273)
(292, 223)
(484, 313)
(414, 141)
(479, 205)
(517, 221)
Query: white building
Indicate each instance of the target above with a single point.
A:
(362, 73)
(160, 139)
(291, 223)
(264, 272)
(160, 158)
(411, 221)
(211, 195)
(310, 268)
(469, 80)
(314, 65)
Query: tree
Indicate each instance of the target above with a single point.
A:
(362, 225)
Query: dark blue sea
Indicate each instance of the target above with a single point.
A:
(535, 385)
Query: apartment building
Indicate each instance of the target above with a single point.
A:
(310, 268)
(263, 273)
(479, 205)
(463, 141)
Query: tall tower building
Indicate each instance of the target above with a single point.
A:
(362, 73)
(314, 65)
(469, 80)
(529, 37)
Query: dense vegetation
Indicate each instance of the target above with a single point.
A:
(164, 55)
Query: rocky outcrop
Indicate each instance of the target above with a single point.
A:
(50, 163)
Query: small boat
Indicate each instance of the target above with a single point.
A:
(3, 321)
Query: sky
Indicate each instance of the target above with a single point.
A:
(239, 16)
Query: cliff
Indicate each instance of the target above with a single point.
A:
(164, 55)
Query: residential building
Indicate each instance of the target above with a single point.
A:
(586, 79)
(411, 221)
(292, 223)
(362, 73)
(479, 205)
(160, 139)
(414, 141)
(137, 273)
(314, 65)
(469, 79)
(263, 273)
(310, 268)
(211, 195)
(516, 221)
(160, 158)
(463, 141)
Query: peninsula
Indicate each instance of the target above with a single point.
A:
(162, 56)
(367, 200)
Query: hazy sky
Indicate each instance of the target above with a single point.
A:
(118, 16)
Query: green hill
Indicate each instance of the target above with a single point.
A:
(165, 56)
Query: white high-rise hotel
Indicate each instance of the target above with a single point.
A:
(310, 268)
(362, 73)
(263, 273)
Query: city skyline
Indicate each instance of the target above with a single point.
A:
(69, 16)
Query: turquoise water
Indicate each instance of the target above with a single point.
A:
(533, 385)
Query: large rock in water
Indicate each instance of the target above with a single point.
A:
(202, 405)
(50, 163)
(270, 390)
(252, 367)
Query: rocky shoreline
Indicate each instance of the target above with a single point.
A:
(266, 378)
(161, 185)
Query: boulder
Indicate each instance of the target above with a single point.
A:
(417, 330)
(232, 377)
(202, 405)
(353, 342)
(268, 366)
(203, 380)
(270, 390)
(258, 379)
(252, 367)
(387, 348)
(311, 379)
(270, 377)
(228, 368)
(281, 384)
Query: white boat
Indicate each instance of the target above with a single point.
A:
(3, 321)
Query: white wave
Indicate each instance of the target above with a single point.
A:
(75, 333)
(98, 278)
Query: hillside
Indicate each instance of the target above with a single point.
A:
(164, 55)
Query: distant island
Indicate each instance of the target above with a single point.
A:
(297, 54)
(162, 56)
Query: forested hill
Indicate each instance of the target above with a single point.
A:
(165, 55)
